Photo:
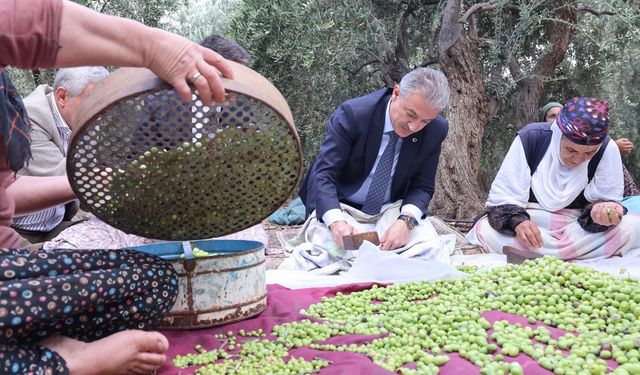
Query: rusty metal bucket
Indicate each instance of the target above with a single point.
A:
(227, 286)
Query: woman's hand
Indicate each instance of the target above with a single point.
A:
(529, 234)
(180, 61)
(607, 213)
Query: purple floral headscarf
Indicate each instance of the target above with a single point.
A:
(584, 121)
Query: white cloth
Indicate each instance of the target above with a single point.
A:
(370, 265)
(621, 267)
(313, 248)
(554, 184)
(94, 234)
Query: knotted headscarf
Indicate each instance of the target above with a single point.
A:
(584, 121)
(14, 124)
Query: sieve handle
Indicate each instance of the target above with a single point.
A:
(186, 249)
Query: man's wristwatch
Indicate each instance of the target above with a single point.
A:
(409, 220)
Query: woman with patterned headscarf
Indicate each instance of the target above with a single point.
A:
(558, 190)
(549, 112)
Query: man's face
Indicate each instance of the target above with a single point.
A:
(410, 113)
(552, 114)
(573, 155)
(68, 105)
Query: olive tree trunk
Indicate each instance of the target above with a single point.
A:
(531, 86)
(458, 193)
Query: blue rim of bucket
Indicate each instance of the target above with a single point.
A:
(217, 248)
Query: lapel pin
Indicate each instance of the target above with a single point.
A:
(414, 140)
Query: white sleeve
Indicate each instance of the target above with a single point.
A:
(608, 181)
(513, 181)
(333, 215)
(413, 210)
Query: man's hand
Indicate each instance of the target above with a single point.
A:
(607, 213)
(396, 236)
(529, 234)
(340, 229)
(624, 145)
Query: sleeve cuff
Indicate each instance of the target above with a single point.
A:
(333, 215)
(587, 223)
(505, 218)
(413, 210)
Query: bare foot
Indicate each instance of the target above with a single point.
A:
(126, 352)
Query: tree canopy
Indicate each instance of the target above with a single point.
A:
(504, 59)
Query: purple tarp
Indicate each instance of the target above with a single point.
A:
(284, 305)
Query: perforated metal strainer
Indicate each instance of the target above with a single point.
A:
(148, 164)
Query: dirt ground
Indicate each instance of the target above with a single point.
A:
(275, 254)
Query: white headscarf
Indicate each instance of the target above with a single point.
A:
(554, 184)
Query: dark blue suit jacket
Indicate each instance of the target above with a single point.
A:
(350, 149)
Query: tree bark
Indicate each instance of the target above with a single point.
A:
(531, 87)
(458, 193)
(35, 73)
(399, 60)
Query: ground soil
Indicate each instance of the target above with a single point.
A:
(276, 252)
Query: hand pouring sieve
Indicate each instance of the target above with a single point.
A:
(148, 164)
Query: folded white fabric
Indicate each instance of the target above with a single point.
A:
(314, 250)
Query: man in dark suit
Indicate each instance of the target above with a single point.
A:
(379, 149)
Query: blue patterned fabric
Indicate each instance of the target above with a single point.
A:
(381, 178)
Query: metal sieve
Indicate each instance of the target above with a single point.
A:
(148, 164)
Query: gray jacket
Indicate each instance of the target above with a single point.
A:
(48, 154)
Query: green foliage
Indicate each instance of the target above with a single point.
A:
(23, 80)
(617, 43)
(196, 19)
(310, 50)
(322, 52)
(149, 12)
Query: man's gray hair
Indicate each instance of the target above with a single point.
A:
(75, 80)
(431, 83)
